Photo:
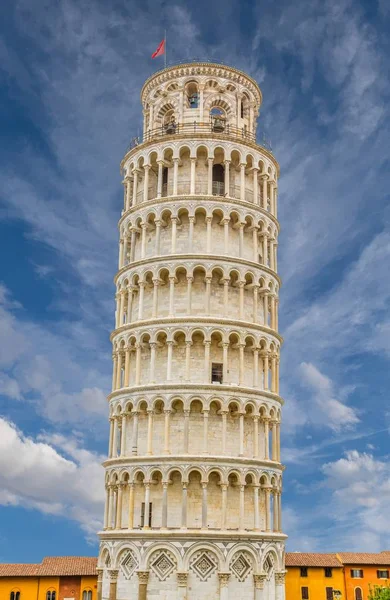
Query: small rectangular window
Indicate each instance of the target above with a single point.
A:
(305, 593)
(329, 593)
(383, 574)
(217, 372)
(328, 572)
(357, 573)
(303, 571)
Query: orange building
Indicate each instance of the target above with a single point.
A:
(55, 578)
(362, 570)
(314, 576)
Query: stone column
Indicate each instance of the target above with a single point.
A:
(156, 283)
(121, 307)
(115, 439)
(172, 296)
(123, 434)
(147, 503)
(189, 294)
(255, 237)
(186, 430)
(192, 176)
(255, 436)
(241, 240)
(223, 586)
(191, 220)
(131, 506)
(120, 259)
(164, 516)
(265, 191)
(118, 520)
(265, 249)
(143, 577)
(144, 227)
(106, 507)
(226, 235)
(137, 364)
(242, 181)
(150, 432)
(204, 505)
(184, 505)
(275, 525)
(152, 374)
(158, 236)
(127, 367)
(182, 586)
(259, 586)
(255, 367)
(207, 345)
(267, 492)
(132, 244)
(134, 442)
(169, 360)
(266, 371)
(242, 506)
(146, 182)
(225, 359)
(256, 507)
(160, 178)
(141, 286)
(110, 506)
(265, 307)
(224, 488)
(99, 583)
(274, 449)
(266, 439)
(242, 415)
(208, 294)
(113, 582)
(224, 420)
(226, 298)
(175, 175)
(205, 431)
(241, 285)
(210, 177)
(129, 303)
(255, 186)
(278, 442)
(279, 581)
(173, 239)
(111, 439)
(208, 234)
(167, 414)
(227, 178)
(242, 364)
(188, 361)
(135, 186)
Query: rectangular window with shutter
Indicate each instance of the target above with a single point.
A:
(357, 573)
(328, 572)
(383, 574)
(303, 571)
(216, 372)
(329, 593)
(305, 593)
(143, 514)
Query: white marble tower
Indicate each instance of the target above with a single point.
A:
(193, 476)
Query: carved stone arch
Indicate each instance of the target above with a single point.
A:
(220, 101)
(164, 105)
(127, 559)
(194, 560)
(242, 561)
(105, 556)
(163, 559)
(271, 549)
(215, 469)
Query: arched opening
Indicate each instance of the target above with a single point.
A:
(218, 180)
(218, 119)
(192, 95)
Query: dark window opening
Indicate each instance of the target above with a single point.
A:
(143, 515)
(242, 109)
(50, 595)
(358, 594)
(218, 180)
(193, 100)
(165, 181)
(329, 593)
(357, 573)
(303, 571)
(328, 572)
(14, 596)
(382, 574)
(217, 372)
(305, 593)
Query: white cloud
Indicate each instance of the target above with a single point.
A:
(34, 474)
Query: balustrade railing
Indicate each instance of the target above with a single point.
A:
(211, 128)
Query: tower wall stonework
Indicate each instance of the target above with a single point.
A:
(194, 473)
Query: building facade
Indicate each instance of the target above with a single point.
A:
(55, 578)
(314, 576)
(194, 475)
(363, 571)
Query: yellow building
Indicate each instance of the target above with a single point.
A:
(56, 578)
(312, 576)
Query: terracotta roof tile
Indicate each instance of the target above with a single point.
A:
(18, 570)
(68, 565)
(311, 559)
(365, 558)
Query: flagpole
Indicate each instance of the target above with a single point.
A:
(165, 48)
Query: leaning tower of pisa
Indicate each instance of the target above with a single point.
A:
(193, 475)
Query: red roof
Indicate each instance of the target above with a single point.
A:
(52, 566)
(311, 559)
(365, 558)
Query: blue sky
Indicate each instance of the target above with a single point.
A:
(71, 72)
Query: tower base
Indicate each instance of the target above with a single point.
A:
(191, 568)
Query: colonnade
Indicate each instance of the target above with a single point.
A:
(262, 194)
(266, 501)
(264, 429)
(131, 302)
(264, 245)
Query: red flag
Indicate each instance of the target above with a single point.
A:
(160, 49)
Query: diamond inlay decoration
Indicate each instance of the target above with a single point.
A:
(203, 565)
(163, 565)
(241, 566)
(129, 564)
